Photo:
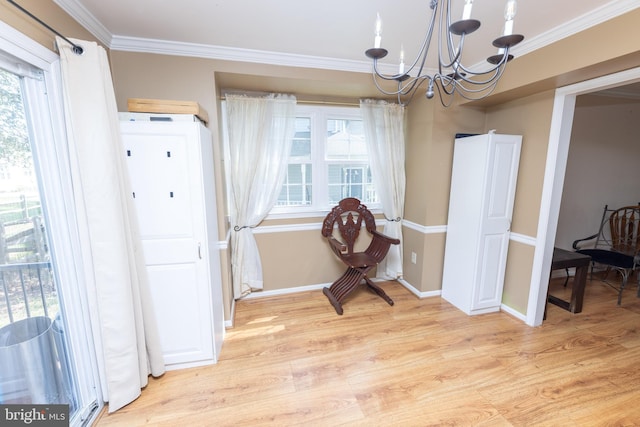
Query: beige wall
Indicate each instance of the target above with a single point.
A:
(47, 11)
(430, 133)
(597, 51)
(522, 105)
(531, 118)
(602, 168)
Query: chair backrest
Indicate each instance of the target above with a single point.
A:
(619, 231)
(624, 224)
(348, 215)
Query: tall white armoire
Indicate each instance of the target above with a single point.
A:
(170, 164)
(483, 186)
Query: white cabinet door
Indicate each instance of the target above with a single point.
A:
(163, 161)
(483, 183)
(502, 167)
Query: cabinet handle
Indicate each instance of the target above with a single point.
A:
(199, 251)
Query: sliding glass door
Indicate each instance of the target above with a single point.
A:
(46, 353)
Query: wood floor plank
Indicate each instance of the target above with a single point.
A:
(291, 361)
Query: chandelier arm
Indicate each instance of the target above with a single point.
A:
(501, 63)
(424, 49)
(384, 92)
(449, 96)
(441, 64)
(488, 90)
(496, 74)
(446, 83)
(382, 75)
(402, 90)
(456, 56)
(464, 94)
(450, 86)
(413, 92)
(453, 52)
(468, 93)
(411, 85)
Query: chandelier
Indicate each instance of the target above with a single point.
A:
(451, 76)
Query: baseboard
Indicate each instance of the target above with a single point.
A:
(510, 311)
(418, 293)
(407, 285)
(286, 291)
(229, 323)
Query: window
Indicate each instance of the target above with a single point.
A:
(328, 162)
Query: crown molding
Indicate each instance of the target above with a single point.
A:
(167, 47)
(581, 23)
(135, 44)
(80, 13)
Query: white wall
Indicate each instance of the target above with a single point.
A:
(603, 166)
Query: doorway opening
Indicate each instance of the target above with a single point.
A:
(557, 155)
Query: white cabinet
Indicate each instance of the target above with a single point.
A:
(170, 166)
(483, 184)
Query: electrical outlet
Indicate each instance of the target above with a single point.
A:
(414, 258)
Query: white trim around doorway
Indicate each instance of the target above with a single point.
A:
(559, 138)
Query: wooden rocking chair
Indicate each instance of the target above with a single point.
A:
(348, 216)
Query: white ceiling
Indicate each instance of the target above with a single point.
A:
(328, 33)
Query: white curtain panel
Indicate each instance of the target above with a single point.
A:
(260, 130)
(384, 132)
(120, 305)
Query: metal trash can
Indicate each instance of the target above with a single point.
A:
(30, 368)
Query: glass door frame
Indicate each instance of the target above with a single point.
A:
(44, 110)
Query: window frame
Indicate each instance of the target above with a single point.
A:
(42, 89)
(320, 206)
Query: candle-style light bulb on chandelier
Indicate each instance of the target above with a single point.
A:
(451, 76)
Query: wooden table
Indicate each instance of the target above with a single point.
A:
(563, 259)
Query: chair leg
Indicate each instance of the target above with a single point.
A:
(625, 276)
(375, 288)
(334, 302)
(342, 287)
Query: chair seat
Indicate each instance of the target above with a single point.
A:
(359, 260)
(614, 259)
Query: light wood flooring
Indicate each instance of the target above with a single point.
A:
(291, 361)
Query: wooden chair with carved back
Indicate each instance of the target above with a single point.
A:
(341, 228)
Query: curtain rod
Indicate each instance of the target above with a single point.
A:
(77, 49)
(338, 103)
(310, 102)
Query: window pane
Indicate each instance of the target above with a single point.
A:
(353, 180)
(345, 140)
(301, 145)
(30, 308)
(296, 190)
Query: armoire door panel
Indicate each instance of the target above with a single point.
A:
(491, 273)
(182, 303)
(158, 168)
(170, 251)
